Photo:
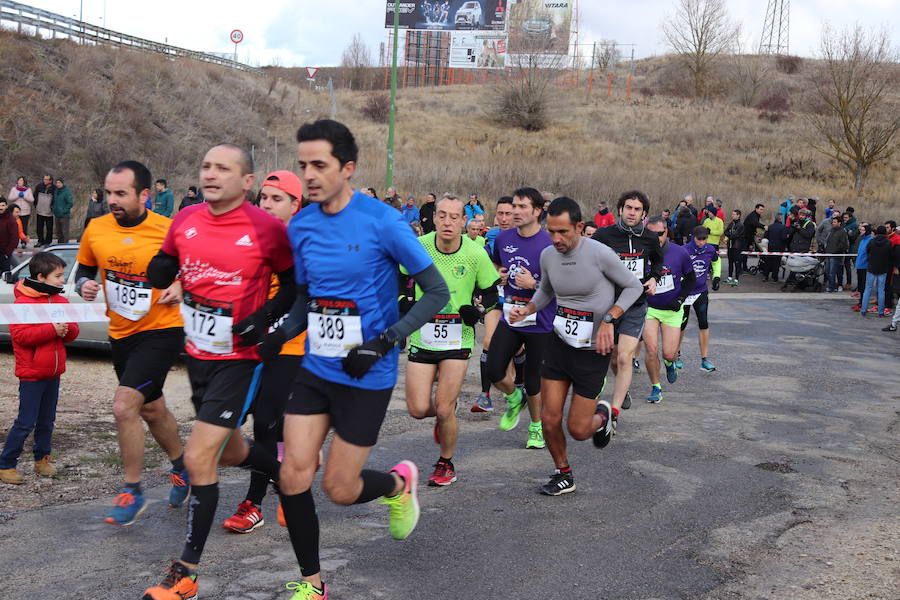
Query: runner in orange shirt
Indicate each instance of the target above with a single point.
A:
(145, 329)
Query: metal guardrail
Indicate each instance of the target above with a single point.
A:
(22, 14)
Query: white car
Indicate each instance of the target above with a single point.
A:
(469, 14)
(92, 335)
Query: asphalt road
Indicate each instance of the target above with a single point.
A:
(775, 477)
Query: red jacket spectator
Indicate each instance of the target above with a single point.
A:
(40, 353)
(604, 218)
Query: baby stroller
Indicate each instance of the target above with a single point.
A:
(803, 272)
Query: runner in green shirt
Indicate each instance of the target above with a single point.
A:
(446, 341)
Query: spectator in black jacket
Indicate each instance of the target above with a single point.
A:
(752, 223)
(190, 199)
(685, 221)
(736, 244)
(777, 234)
(881, 262)
(426, 214)
(837, 244)
(803, 230)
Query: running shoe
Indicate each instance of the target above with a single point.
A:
(306, 591)
(535, 437)
(181, 487)
(483, 404)
(560, 483)
(890, 327)
(855, 307)
(735, 283)
(180, 583)
(602, 436)
(615, 424)
(655, 395)
(126, 508)
(626, 403)
(444, 474)
(671, 372)
(510, 418)
(728, 280)
(707, 366)
(404, 507)
(245, 519)
(636, 365)
(678, 363)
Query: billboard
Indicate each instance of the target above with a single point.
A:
(540, 27)
(477, 50)
(447, 15)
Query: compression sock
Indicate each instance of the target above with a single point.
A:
(485, 380)
(519, 365)
(257, 489)
(375, 485)
(178, 463)
(200, 514)
(565, 469)
(303, 529)
(260, 460)
(135, 487)
(447, 461)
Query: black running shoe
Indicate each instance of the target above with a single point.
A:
(604, 434)
(560, 483)
(636, 365)
(626, 403)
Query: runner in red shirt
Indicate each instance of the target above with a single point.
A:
(226, 251)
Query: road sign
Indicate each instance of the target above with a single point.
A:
(311, 71)
(237, 36)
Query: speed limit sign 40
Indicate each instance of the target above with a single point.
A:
(237, 36)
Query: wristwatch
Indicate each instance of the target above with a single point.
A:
(608, 318)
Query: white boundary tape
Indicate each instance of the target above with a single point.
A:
(29, 314)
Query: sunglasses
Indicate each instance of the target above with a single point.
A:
(661, 233)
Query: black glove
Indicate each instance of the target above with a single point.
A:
(469, 314)
(405, 305)
(253, 329)
(270, 346)
(676, 303)
(361, 358)
(716, 281)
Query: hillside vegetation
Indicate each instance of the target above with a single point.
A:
(76, 110)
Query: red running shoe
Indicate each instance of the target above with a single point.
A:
(245, 519)
(444, 474)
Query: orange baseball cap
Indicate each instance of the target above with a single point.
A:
(286, 181)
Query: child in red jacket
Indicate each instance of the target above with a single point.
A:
(40, 360)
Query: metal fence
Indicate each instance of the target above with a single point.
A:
(24, 15)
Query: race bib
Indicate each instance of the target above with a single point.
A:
(634, 264)
(666, 284)
(574, 327)
(207, 324)
(443, 332)
(128, 296)
(690, 299)
(509, 303)
(334, 327)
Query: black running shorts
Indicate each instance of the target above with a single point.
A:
(583, 367)
(356, 414)
(274, 390)
(143, 360)
(505, 345)
(433, 357)
(632, 322)
(220, 390)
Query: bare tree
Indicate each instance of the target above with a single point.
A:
(356, 63)
(856, 121)
(699, 32)
(607, 56)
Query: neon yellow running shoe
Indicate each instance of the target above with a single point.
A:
(514, 403)
(404, 507)
(535, 437)
(305, 591)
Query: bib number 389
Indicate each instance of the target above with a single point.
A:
(334, 327)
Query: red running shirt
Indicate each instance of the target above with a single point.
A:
(226, 262)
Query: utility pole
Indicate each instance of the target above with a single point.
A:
(389, 175)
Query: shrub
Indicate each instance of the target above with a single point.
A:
(377, 107)
(646, 91)
(788, 64)
(774, 107)
(522, 105)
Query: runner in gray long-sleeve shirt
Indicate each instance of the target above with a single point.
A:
(584, 277)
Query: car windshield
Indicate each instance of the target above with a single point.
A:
(67, 254)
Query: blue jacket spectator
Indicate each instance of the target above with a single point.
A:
(473, 207)
(410, 211)
(164, 202)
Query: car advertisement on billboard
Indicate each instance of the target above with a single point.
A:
(447, 15)
(477, 50)
(540, 27)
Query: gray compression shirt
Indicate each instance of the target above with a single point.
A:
(584, 282)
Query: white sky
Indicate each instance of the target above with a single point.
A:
(315, 32)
